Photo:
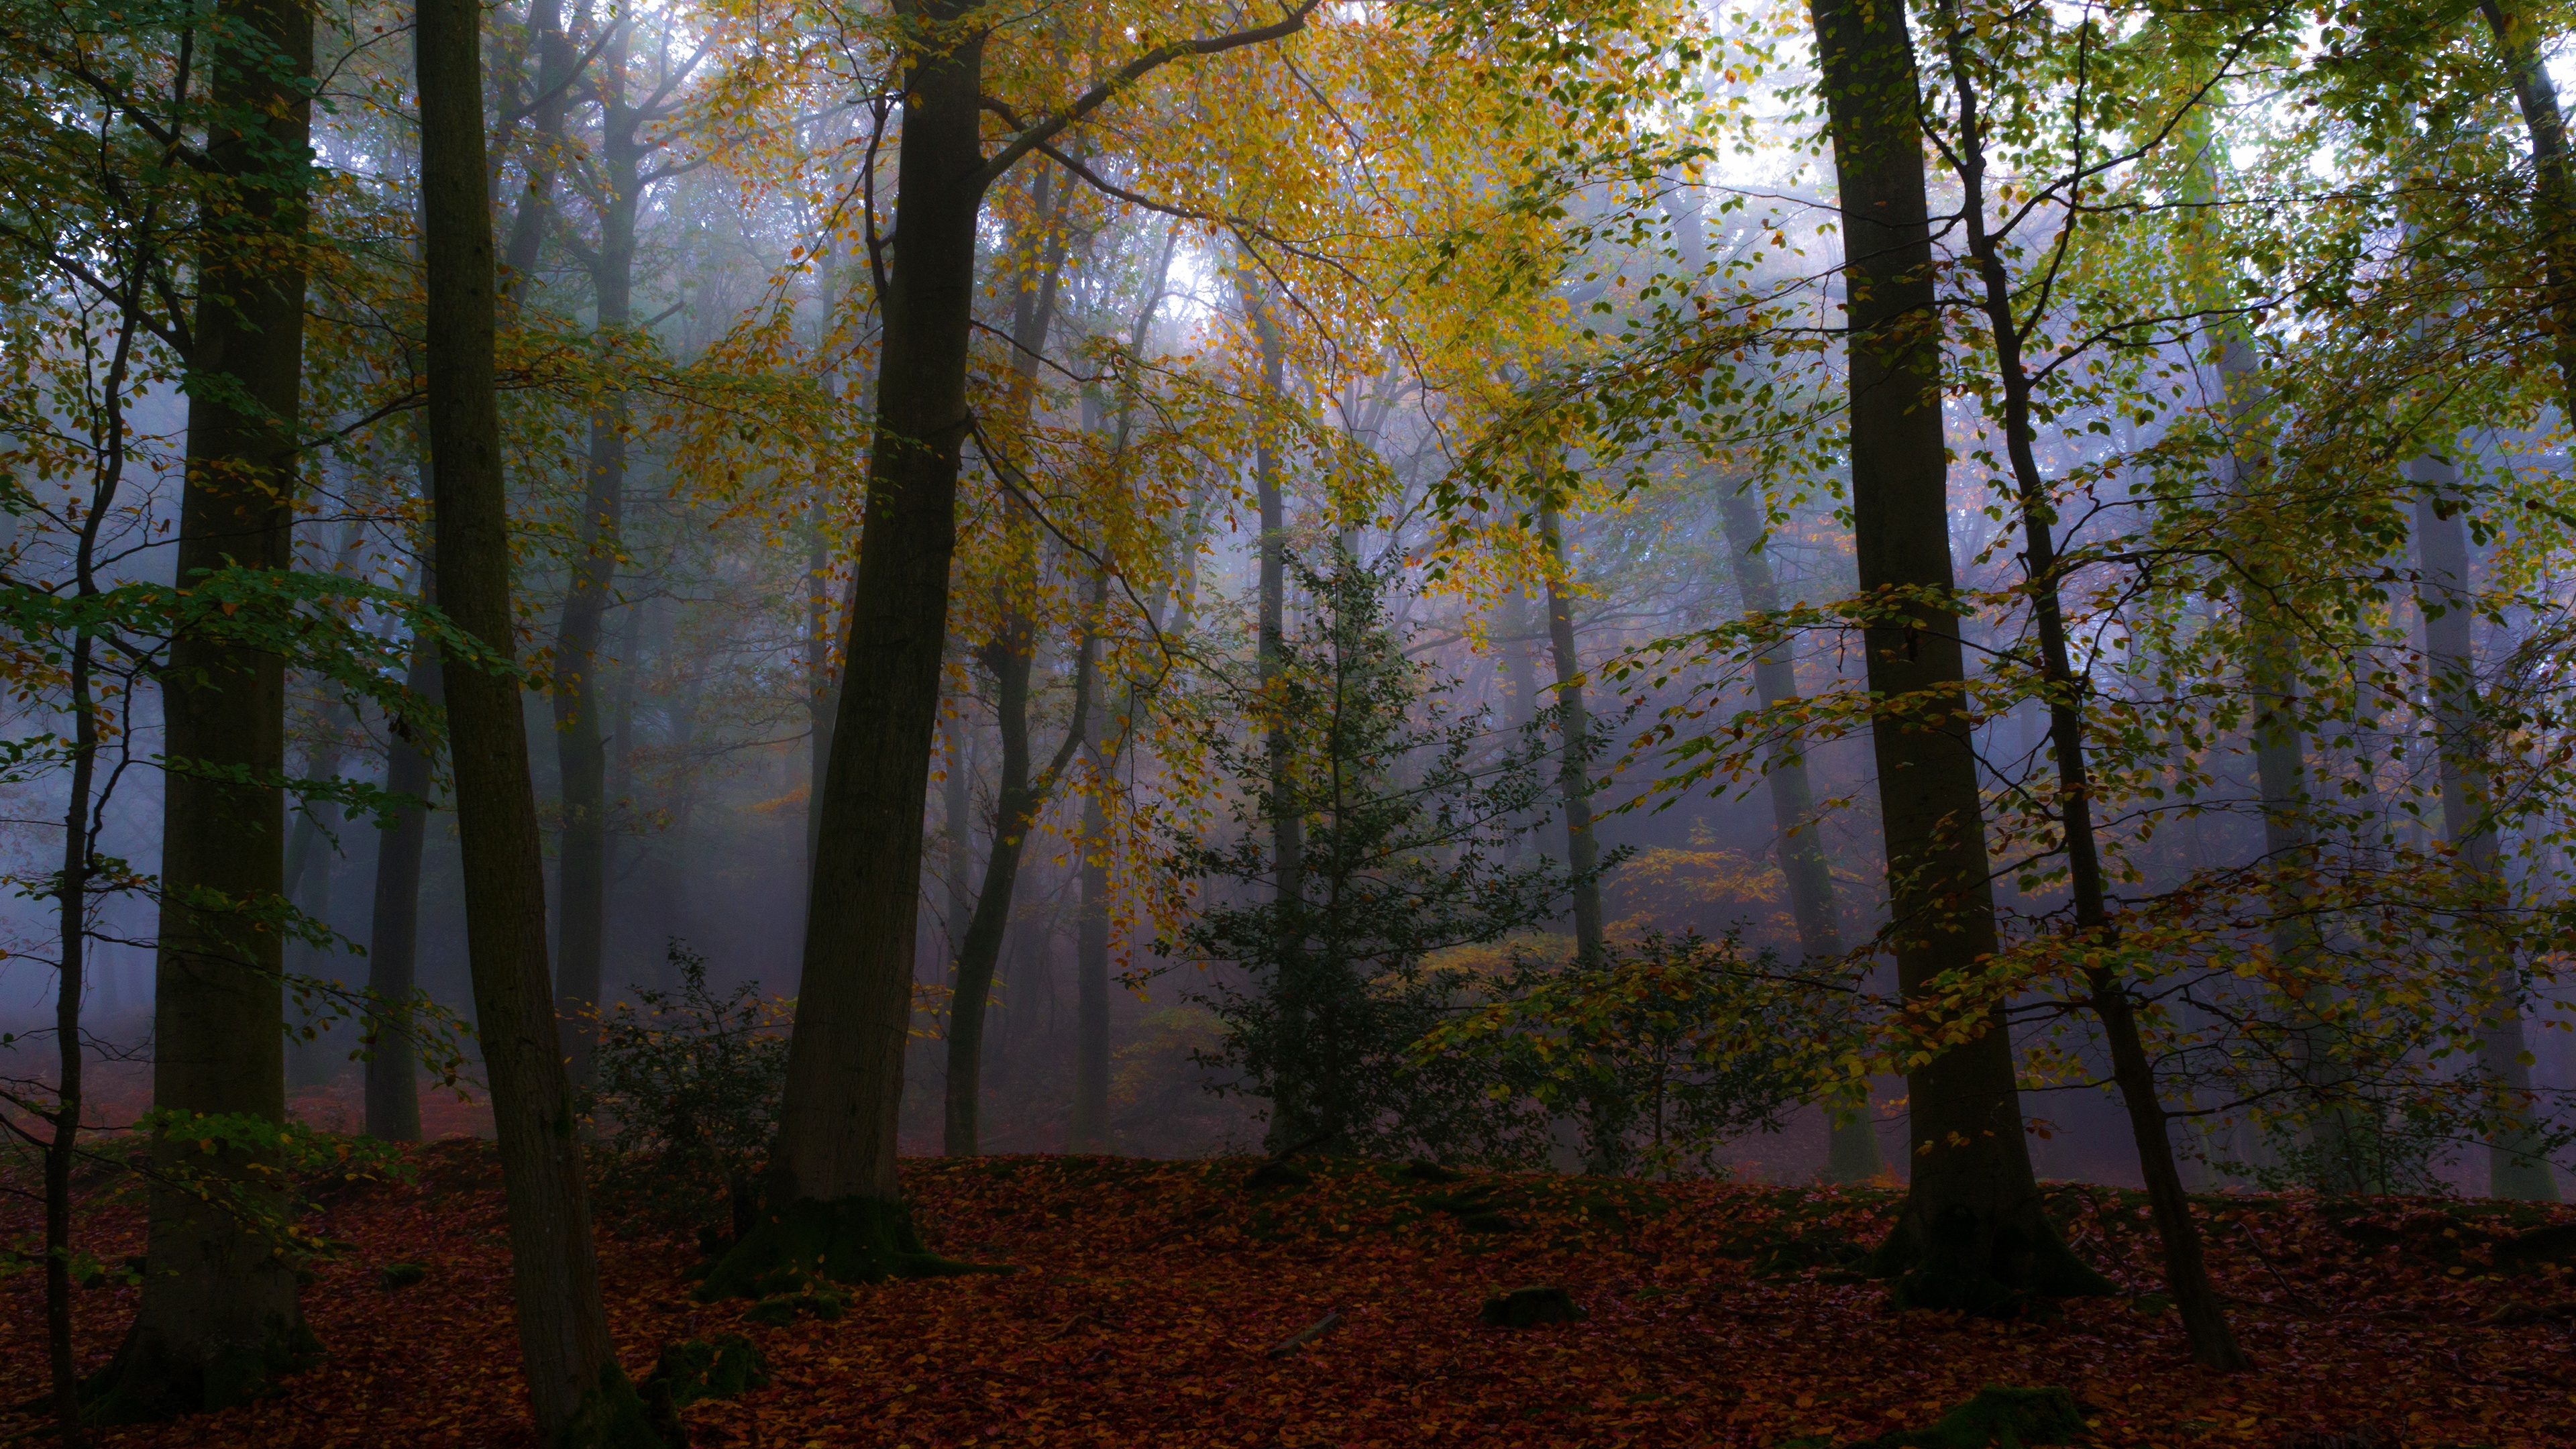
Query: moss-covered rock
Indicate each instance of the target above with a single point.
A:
(692, 1369)
(1998, 1417)
(1530, 1307)
(855, 1240)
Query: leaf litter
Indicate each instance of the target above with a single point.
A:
(1186, 1303)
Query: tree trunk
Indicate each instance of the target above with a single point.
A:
(832, 1168)
(1291, 1122)
(2213, 1345)
(1010, 654)
(581, 750)
(836, 1138)
(1972, 1233)
(579, 1394)
(393, 941)
(219, 1319)
(2450, 660)
(1851, 1148)
(545, 147)
(2553, 207)
(1089, 1131)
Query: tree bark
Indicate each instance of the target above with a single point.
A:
(578, 1393)
(219, 1318)
(2442, 595)
(393, 940)
(1972, 1233)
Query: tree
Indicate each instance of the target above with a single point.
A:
(1972, 1230)
(219, 1318)
(580, 1395)
(834, 1166)
(1408, 819)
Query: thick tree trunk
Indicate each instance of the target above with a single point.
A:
(393, 940)
(578, 1393)
(1972, 1232)
(219, 1319)
(836, 1139)
(1851, 1148)
(833, 1178)
(2450, 659)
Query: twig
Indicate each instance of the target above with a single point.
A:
(1309, 1334)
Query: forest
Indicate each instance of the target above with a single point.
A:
(1255, 722)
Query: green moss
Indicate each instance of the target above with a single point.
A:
(1530, 1307)
(614, 1416)
(1997, 1418)
(710, 1368)
(855, 1240)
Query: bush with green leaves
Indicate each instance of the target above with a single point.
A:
(1660, 1049)
(689, 1084)
(1410, 819)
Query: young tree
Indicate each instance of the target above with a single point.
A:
(1407, 824)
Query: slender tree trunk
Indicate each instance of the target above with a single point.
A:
(2553, 209)
(956, 828)
(2443, 596)
(579, 1394)
(219, 1318)
(72, 925)
(1574, 774)
(1089, 1131)
(1972, 1232)
(1011, 654)
(1292, 1120)
(555, 62)
(1851, 1148)
(581, 749)
(2213, 1345)
(393, 941)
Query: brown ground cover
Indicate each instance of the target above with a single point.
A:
(1148, 1295)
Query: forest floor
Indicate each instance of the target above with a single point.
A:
(1148, 1296)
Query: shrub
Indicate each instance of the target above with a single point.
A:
(690, 1082)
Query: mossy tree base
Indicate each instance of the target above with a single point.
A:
(615, 1416)
(1993, 1265)
(854, 1240)
(1997, 1418)
(153, 1377)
